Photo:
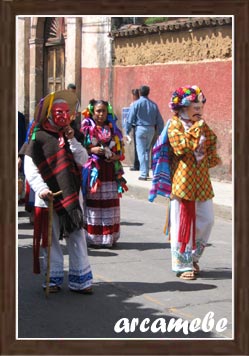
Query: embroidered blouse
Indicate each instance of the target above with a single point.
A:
(110, 137)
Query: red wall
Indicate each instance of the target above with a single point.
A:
(96, 83)
(214, 78)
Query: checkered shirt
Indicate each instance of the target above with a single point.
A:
(190, 178)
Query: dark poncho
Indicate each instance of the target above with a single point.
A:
(60, 172)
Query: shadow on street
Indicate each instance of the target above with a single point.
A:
(71, 315)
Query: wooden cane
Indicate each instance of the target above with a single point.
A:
(50, 223)
(166, 225)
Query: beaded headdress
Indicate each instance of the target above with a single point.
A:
(184, 96)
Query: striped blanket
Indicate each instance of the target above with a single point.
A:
(161, 181)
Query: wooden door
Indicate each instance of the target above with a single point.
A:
(54, 61)
(55, 73)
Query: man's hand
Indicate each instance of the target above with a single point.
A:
(19, 162)
(69, 132)
(98, 150)
(128, 139)
(113, 157)
(46, 194)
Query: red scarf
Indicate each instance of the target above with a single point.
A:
(187, 219)
(40, 234)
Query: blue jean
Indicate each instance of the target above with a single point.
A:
(144, 137)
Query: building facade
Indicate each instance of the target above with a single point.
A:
(108, 62)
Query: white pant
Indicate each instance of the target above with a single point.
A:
(204, 222)
(80, 274)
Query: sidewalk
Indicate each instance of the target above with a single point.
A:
(223, 191)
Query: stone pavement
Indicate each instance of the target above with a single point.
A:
(223, 200)
(132, 280)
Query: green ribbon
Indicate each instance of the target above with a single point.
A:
(33, 137)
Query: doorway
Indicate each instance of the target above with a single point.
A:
(54, 55)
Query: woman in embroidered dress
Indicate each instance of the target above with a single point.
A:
(103, 182)
(191, 209)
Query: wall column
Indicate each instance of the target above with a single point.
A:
(20, 75)
(96, 68)
(36, 73)
(73, 52)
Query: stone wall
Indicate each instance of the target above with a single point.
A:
(213, 43)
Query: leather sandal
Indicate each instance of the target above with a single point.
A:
(188, 275)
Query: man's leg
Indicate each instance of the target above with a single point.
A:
(80, 273)
(150, 136)
(181, 261)
(141, 142)
(204, 224)
(136, 161)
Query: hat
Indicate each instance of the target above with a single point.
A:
(184, 96)
(71, 86)
(42, 110)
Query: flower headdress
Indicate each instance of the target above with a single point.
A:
(184, 96)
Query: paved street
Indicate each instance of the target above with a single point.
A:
(132, 280)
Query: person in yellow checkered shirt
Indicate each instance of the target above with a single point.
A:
(193, 146)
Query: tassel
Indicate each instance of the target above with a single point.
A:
(50, 103)
(95, 186)
(187, 219)
(40, 110)
(85, 173)
(116, 138)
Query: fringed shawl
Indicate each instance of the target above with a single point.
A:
(161, 181)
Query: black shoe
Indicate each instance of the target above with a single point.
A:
(94, 246)
(88, 290)
(134, 169)
(53, 289)
(142, 178)
(107, 246)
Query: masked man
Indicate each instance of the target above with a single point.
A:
(191, 209)
(50, 167)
